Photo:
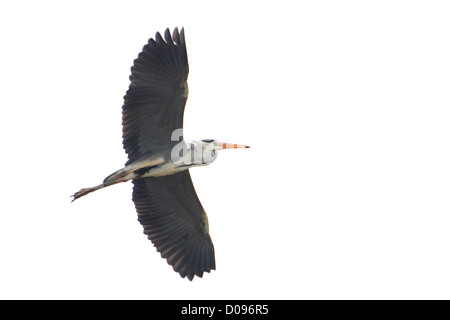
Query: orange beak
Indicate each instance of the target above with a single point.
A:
(233, 146)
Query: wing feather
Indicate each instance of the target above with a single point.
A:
(176, 223)
(155, 101)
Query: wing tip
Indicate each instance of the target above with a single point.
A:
(177, 37)
(187, 268)
(192, 275)
(168, 37)
(189, 260)
(159, 39)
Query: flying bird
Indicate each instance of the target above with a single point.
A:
(159, 157)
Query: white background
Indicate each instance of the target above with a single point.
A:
(344, 193)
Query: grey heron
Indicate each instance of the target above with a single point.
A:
(159, 157)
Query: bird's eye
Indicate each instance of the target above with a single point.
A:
(208, 140)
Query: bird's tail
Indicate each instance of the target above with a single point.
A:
(85, 191)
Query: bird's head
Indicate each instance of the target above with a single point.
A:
(210, 147)
(218, 145)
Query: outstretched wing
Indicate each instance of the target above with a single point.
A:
(175, 221)
(154, 103)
